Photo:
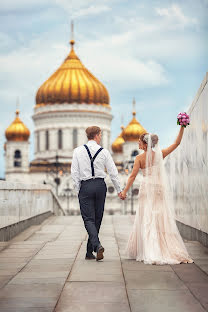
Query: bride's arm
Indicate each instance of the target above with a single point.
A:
(171, 148)
(133, 175)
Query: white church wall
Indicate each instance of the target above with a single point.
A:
(118, 157)
(11, 147)
(42, 141)
(68, 117)
(128, 148)
(188, 166)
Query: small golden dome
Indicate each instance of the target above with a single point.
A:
(17, 131)
(134, 129)
(72, 83)
(117, 146)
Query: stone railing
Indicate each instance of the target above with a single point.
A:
(188, 168)
(22, 205)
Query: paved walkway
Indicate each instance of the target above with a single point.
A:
(43, 270)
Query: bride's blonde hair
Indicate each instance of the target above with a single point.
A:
(154, 138)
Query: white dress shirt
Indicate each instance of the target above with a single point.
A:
(81, 165)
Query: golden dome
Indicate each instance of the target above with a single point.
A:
(17, 131)
(134, 129)
(117, 146)
(72, 83)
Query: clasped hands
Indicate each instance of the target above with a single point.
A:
(122, 195)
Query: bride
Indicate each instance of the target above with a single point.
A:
(154, 238)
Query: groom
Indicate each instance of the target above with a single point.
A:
(88, 172)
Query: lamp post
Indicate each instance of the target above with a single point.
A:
(127, 167)
(67, 191)
(56, 169)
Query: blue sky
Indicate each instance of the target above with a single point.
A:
(155, 51)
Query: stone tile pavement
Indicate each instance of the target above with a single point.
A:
(45, 271)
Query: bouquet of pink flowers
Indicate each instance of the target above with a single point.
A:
(183, 119)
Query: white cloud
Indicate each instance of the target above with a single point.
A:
(91, 10)
(81, 8)
(174, 14)
(5, 40)
(127, 72)
(22, 5)
(74, 8)
(111, 59)
(24, 69)
(159, 38)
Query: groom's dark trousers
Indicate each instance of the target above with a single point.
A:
(92, 200)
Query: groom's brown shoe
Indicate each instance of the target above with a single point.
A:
(89, 256)
(100, 251)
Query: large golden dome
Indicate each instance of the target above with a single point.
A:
(17, 131)
(117, 146)
(134, 129)
(72, 83)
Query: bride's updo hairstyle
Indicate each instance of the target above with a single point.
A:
(154, 138)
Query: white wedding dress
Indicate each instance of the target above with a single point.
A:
(155, 238)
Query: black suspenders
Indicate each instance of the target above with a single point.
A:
(92, 158)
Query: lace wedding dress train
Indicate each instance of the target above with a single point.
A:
(155, 238)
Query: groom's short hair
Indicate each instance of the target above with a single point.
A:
(92, 132)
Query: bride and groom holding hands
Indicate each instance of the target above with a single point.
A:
(154, 238)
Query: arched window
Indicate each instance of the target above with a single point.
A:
(74, 138)
(60, 144)
(17, 158)
(47, 140)
(17, 154)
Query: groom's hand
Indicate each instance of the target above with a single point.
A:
(121, 195)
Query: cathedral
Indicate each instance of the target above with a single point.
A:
(68, 102)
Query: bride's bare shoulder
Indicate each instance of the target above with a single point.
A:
(140, 156)
(140, 159)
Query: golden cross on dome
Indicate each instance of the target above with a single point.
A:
(134, 107)
(72, 34)
(17, 106)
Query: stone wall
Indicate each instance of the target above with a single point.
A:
(188, 167)
(22, 202)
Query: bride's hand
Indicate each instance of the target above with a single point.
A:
(123, 195)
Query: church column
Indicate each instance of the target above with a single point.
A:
(81, 136)
(42, 140)
(105, 139)
(25, 156)
(53, 139)
(9, 153)
(36, 141)
(67, 139)
(70, 139)
(109, 137)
